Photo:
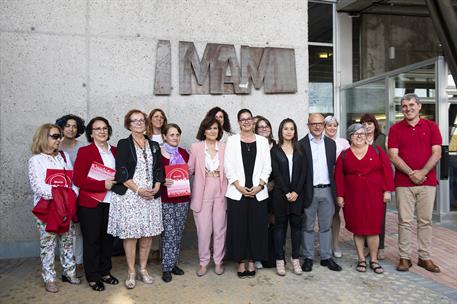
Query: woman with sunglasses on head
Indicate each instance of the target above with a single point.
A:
(289, 173)
(46, 156)
(223, 118)
(174, 209)
(157, 120)
(94, 203)
(364, 180)
(247, 166)
(73, 127)
(208, 201)
(330, 129)
(135, 213)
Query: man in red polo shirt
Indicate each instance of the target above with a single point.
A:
(415, 149)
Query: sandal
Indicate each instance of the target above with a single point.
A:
(130, 282)
(376, 267)
(109, 279)
(97, 285)
(361, 266)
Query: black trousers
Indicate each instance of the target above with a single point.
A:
(97, 244)
(280, 232)
(247, 230)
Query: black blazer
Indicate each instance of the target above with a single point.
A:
(126, 164)
(330, 152)
(280, 171)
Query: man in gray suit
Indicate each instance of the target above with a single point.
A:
(320, 155)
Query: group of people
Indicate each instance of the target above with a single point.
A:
(247, 188)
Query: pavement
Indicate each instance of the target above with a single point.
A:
(20, 280)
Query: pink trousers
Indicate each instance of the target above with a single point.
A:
(211, 221)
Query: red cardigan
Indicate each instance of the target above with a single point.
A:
(86, 155)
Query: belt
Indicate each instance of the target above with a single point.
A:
(214, 173)
(322, 186)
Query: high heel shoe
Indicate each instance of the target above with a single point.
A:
(145, 277)
(130, 283)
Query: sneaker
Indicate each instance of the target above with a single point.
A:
(296, 266)
(280, 269)
(337, 254)
(51, 286)
(258, 265)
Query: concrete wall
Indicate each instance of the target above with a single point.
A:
(97, 58)
(413, 38)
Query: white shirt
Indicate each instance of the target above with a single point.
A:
(108, 161)
(291, 164)
(320, 169)
(157, 138)
(211, 164)
(341, 145)
(38, 164)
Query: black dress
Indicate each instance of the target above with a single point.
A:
(247, 224)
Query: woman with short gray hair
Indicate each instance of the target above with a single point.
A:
(364, 180)
(330, 130)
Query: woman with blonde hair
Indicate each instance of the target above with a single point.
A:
(46, 156)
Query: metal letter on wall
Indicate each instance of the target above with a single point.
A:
(224, 69)
(281, 76)
(219, 72)
(272, 67)
(162, 79)
(190, 63)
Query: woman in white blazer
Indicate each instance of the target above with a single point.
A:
(247, 166)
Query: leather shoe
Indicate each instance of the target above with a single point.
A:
(242, 274)
(307, 265)
(331, 264)
(428, 265)
(166, 276)
(404, 265)
(177, 271)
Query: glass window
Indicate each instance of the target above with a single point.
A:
(320, 79)
(420, 82)
(320, 22)
(368, 98)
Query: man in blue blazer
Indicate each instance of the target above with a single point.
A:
(320, 157)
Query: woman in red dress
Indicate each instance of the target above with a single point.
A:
(364, 179)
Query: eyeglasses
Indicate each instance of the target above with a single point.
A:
(359, 134)
(263, 127)
(55, 136)
(245, 120)
(316, 124)
(137, 121)
(104, 129)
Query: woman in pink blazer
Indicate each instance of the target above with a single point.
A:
(209, 185)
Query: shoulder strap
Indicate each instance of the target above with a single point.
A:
(375, 148)
(63, 156)
(343, 153)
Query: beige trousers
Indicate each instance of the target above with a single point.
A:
(421, 199)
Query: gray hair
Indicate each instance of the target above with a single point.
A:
(410, 96)
(331, 119)
(354, 128)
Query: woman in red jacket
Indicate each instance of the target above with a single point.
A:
(93, 203)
